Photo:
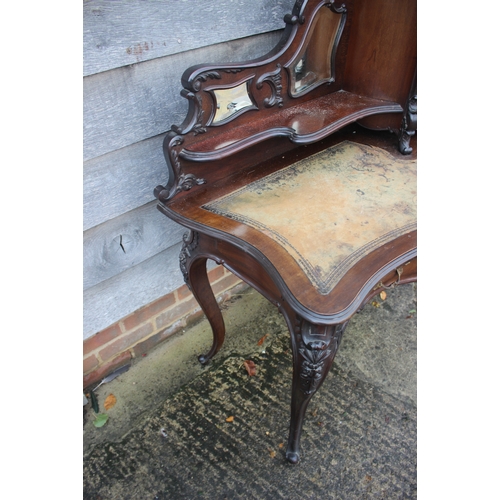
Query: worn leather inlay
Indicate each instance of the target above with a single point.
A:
(331, 209)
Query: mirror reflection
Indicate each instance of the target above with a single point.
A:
(230, 101)
(313, 64)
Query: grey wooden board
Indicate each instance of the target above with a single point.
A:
(121, 181)
(118, 34)
(125, 241)
(113, 299)
(130, 104)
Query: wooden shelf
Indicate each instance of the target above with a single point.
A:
(304, 123)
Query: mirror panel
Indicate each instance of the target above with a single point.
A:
(314, 62)
(231, 101)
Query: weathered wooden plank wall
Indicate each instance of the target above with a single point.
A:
(134, 55)
(121, 33)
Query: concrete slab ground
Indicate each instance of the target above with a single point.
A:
(168, 437)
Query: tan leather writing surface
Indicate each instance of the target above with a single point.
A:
(331, 209)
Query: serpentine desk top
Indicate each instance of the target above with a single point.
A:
(337, 214)
(346, 200)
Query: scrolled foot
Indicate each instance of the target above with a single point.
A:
(203, 359)
(293, 457)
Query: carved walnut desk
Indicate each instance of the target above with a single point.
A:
(295, 172)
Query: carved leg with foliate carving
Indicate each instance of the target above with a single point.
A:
(314, 347)
(194, 269)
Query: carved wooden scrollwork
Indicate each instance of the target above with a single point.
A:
(195, 125)
(187, 181)
(190, 241)
(177, 181)
(203, 77)
(260, 90)
(274, 80)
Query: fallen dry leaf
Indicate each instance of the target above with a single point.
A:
(281, 445)
(375, 304)
(229, 419)
(109, 402)
(250, 367)
(383, 295)
(272, 453)
(261, 340)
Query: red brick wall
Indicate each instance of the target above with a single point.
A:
(137, 333)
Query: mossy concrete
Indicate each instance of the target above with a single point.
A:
(167, 435)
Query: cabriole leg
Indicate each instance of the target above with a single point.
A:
(194, 269)
(314, 348)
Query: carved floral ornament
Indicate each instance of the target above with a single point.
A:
(190, 241)
(317, 346)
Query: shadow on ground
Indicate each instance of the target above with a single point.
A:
(168, 436)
